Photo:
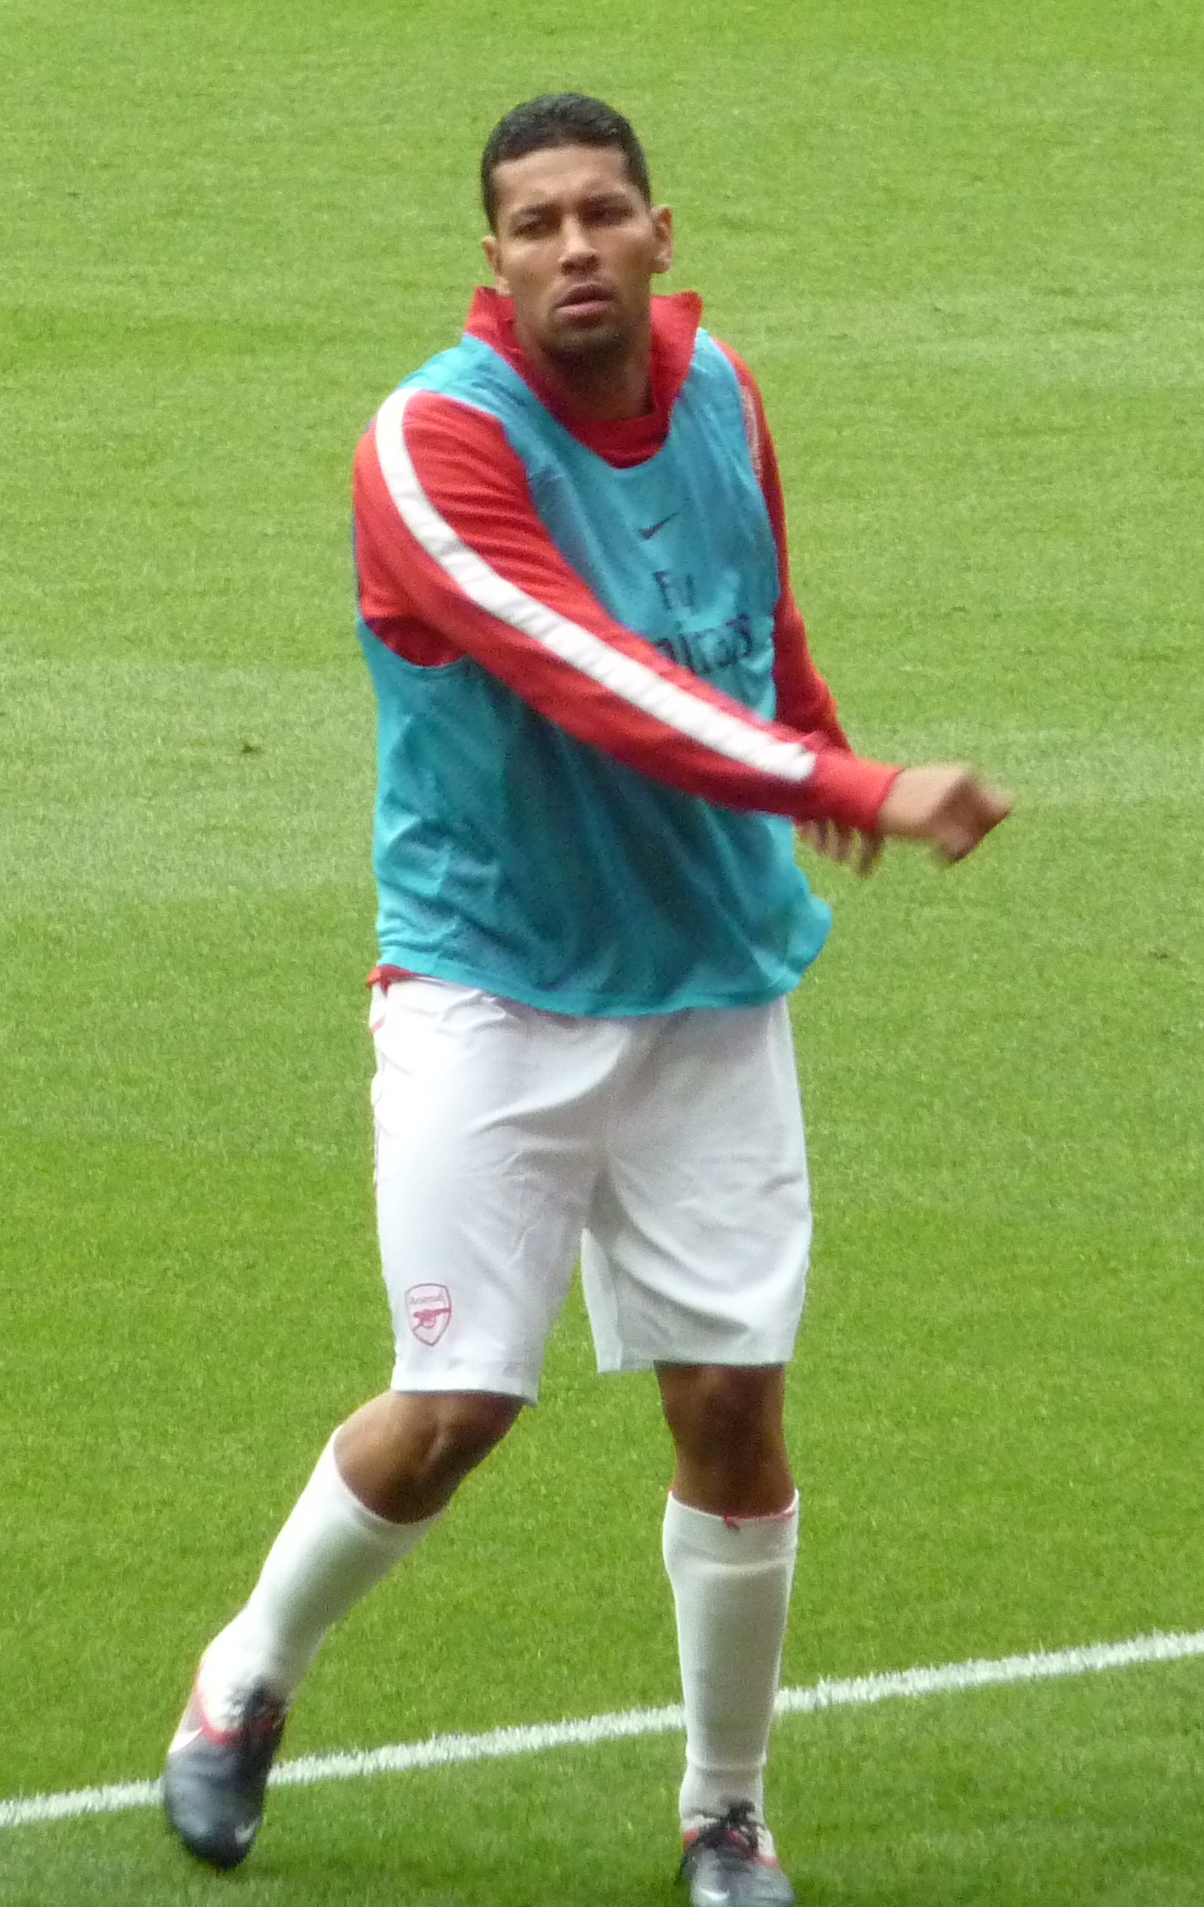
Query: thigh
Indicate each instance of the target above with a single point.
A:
(487, 1115)
(699, 1232)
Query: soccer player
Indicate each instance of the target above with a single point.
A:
(600, 727)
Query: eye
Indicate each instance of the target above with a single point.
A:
(532, 225)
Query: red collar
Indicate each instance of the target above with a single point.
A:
(675, 320)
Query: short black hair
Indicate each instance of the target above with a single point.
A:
(560, 119)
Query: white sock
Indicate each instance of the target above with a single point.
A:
(731, 1581)
(330, 1553)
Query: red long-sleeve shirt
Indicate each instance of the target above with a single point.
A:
(453, 559)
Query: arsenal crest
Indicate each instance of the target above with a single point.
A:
(429, 1309)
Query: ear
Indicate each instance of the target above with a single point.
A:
(493, 253)
(662, 257)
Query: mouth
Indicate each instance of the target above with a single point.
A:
(586, 301)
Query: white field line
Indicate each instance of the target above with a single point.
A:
(443, 1751)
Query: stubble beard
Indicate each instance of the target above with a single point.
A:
(595, 351)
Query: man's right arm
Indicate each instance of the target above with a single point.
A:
(453, 559)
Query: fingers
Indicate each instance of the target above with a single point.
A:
(845, 845)
(869, 853)
(968, 817)
(950, 808)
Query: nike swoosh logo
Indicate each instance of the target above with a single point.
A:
(645, 534)
(184, 1739)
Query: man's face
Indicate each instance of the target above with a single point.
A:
(576, 248)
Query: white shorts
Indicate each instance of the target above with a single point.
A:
(668, 1151)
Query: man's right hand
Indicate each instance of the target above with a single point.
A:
(948, 807)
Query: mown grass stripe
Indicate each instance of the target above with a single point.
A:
(501, 1743)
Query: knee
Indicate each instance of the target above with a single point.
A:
(445, 1435)
(404, 1454)
(715, 1412)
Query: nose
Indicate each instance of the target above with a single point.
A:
(577, 247)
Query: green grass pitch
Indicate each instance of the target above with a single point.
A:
(959, 242)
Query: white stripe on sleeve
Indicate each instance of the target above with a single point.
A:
(623, 675)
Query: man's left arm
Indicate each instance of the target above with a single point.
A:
(802, 694)
(948, 807)
(805, 701)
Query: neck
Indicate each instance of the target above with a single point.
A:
(604, 387)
